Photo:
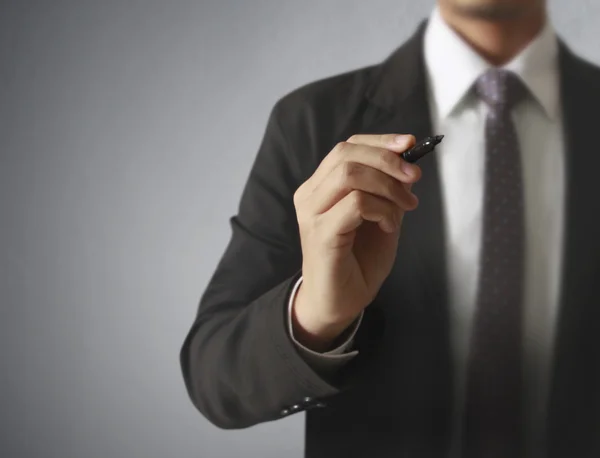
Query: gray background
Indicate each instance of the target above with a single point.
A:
(127, 130)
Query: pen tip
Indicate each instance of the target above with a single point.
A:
(438, 138)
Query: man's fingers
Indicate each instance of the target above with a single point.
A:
(356, 207)
(377, 157)
(381, 152)
(394, 142)
(384, 160)
(350, 176)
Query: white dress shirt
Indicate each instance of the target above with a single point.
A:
(452, 67)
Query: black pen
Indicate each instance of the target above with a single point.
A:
(423, 147)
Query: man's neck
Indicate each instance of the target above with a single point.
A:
(498, 41)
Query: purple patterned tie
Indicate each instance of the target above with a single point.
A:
(493, 399)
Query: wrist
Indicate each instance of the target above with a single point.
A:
(313, 330)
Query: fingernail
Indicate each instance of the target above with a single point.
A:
(415, 199)
(397, 220)
(408, 169)
(402, 140)
(391, 225)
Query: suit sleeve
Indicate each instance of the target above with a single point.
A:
(239, 363)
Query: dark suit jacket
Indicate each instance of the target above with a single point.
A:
(395, 398)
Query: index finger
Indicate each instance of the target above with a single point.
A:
(393, 142)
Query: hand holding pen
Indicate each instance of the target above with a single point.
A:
(349, 214)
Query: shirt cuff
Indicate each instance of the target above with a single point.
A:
(336, 357)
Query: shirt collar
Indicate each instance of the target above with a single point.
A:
(453, 66)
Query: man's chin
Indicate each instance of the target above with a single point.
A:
(493, 12)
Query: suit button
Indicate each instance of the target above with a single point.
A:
(285, 412)
(308, 400)
(296, 408)
(320, 405)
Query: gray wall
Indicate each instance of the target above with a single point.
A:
(127, 130)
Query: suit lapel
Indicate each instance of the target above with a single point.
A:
(574, 408)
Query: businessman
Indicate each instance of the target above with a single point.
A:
(448, 308)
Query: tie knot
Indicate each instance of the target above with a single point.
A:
(500, 88)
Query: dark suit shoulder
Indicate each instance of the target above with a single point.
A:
(323, 109)
(583, 73)
(589, 71)
(344, 89)
(316, 116)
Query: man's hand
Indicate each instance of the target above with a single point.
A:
(350, 213)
